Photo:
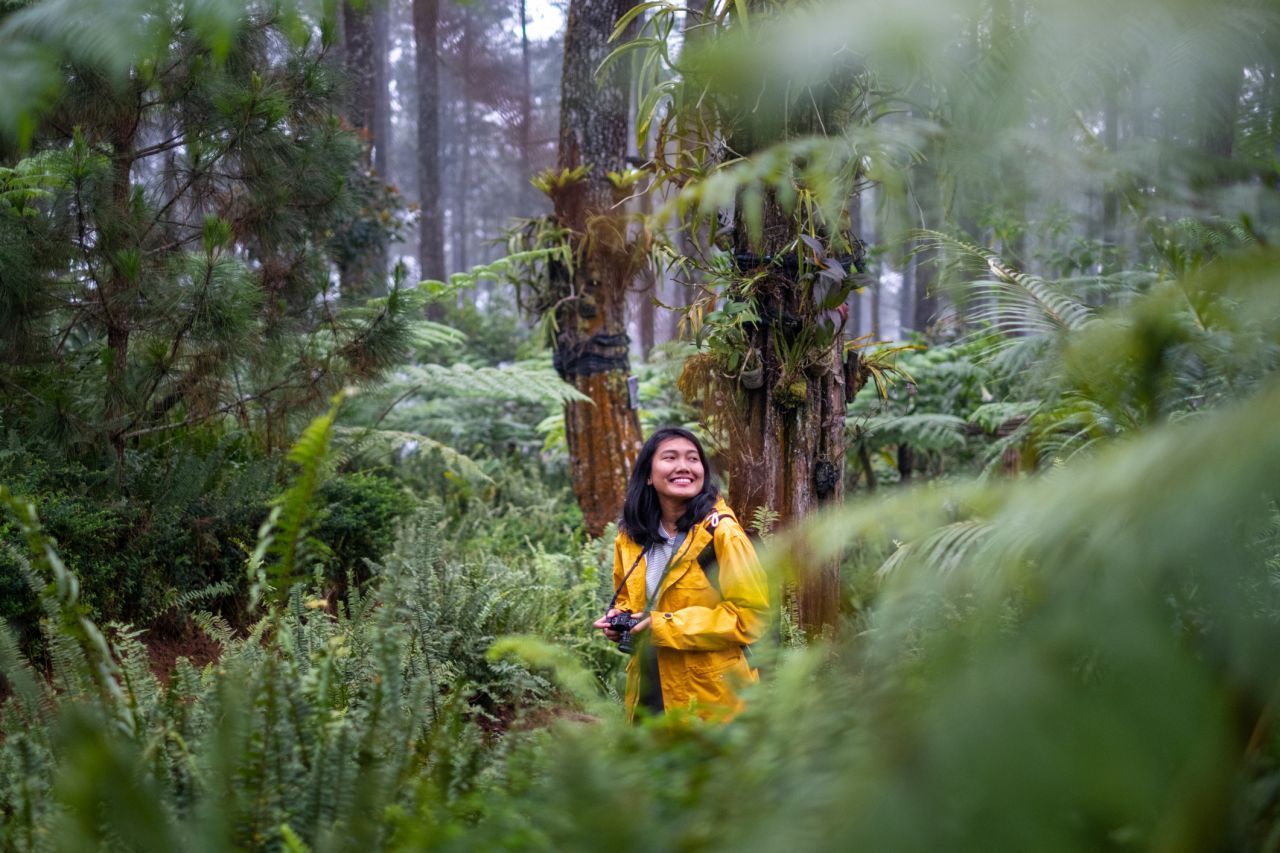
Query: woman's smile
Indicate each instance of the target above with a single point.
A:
(677, 470)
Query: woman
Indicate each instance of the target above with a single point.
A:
(696, 616)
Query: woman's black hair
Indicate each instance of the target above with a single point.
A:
(641, 513)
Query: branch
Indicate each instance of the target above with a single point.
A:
(158, 148)
(221, 410)
(173, 350)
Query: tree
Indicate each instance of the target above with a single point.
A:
(788, 450)
(774, 378)
(366, 112)
(591, 344)
(382, 91)
(193, 210)
(525, 126)
(426, 20)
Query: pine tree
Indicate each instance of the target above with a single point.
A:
(169, 261)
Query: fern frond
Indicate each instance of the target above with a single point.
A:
(945, 549)
(395, 448)
(34, 701)
(285, 534)
(1016, 303)
(927, 431)
(525, 381)
(507, 268)
(80, 644)
(992, 417)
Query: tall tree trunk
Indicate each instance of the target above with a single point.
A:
(646, 315)
(464, 146)
(644, 307)
(1220, 110)
(854, 302)
(426, 39)
(927, 300)
(907, 297)
(381, 91)
(875, 310)
(118, 294)
(591, 348)
(361, 69)
(1111, 193)
(788, 447)
(367, 276)
(527, 204)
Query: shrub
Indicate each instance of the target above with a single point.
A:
(358, 523)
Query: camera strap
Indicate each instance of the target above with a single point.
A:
(618, 591)
(706, 560)
(679, 541)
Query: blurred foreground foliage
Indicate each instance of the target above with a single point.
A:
(1081, 659)
(1077, 661)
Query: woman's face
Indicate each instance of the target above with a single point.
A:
(677, 470)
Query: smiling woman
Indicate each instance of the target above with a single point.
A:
(701, 598)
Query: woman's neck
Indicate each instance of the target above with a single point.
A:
(671, 512)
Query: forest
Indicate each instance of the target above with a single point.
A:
(330, 331)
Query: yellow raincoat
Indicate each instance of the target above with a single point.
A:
(698, 633)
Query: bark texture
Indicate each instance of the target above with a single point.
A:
(426, 39)
(119, 287)
(361, 67)
(366, 277)
(525, 130)
(788, 446)
(381, 17)
(591, 342)
(463, 150)
(789, 453)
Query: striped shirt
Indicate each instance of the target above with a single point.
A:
(656, 560)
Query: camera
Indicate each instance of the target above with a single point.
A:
(622, 622)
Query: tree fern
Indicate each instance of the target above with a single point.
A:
(1014, 302)
(528, 381)
(927, 431)
(397, 449)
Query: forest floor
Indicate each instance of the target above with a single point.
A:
(164, 652)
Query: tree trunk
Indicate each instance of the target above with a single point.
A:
(907, 297)
(648, 289)
(527, 203)
(426, 39)
(906, 462)
(381, 92)
(591, 348)
(1111, 193)
(875, 311)
(361, 69)
(463, 146)
(1220, 110)
(788, 454)
(119, 292)
(926, 280)
(854, 302)
(367, 276)
(925, 262)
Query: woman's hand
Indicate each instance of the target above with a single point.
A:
(603, 624)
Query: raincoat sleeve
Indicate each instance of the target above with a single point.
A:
(619, 569)
(742, 615)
